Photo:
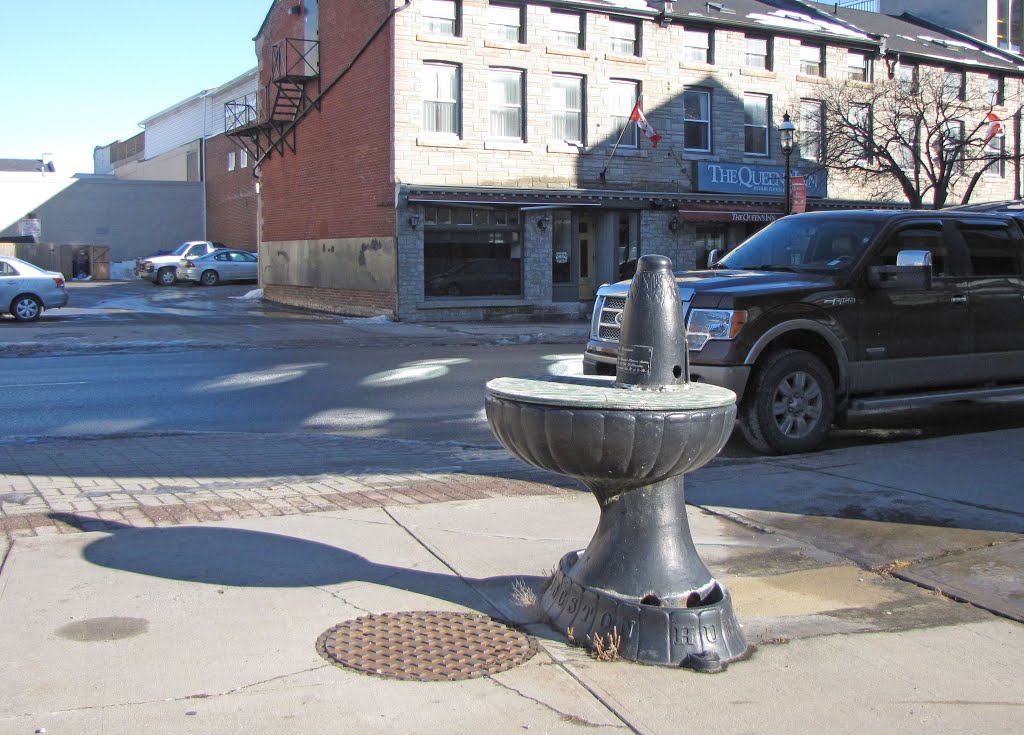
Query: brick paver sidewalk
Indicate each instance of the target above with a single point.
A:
(64, 485)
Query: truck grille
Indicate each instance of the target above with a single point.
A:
(609, 322)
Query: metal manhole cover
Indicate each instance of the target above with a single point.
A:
(426, 646)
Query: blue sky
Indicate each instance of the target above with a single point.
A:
(80, 73)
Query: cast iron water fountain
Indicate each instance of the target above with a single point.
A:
(640, 580)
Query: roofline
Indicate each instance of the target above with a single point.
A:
(1010, 56)
(200, 94)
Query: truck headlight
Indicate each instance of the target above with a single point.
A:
(705, 324)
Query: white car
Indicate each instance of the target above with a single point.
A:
(26, 289)
(220, 265)
(160, 270)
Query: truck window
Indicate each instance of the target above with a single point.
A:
(991, 249)
(919, 237)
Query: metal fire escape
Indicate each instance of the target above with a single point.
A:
(264, 123)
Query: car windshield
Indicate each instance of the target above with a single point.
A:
(181, 249)
(804, 243)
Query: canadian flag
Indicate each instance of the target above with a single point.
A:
(637, 116)
(995, 126)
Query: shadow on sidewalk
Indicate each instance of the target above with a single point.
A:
(234, 557)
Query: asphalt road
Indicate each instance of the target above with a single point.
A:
(329, 379)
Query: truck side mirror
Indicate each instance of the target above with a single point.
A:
(713, 257)
(913, 270)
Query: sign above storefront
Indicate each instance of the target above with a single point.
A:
(742, 178)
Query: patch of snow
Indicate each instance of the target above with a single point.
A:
(123, 271)
(804, 22)
(255, 295)
(379, 319)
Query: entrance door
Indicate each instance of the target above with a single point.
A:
(585, 246)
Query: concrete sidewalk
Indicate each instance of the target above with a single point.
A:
(195, 603)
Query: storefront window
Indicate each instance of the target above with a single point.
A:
(628, 246)
(705, 239)
(472, 251)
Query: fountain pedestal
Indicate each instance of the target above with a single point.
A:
(630, 442)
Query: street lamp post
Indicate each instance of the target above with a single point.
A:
(786, 129)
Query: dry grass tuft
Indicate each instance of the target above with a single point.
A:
(886, 570)
(605, 648)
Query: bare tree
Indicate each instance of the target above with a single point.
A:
(926, 137)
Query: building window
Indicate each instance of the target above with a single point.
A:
(953, 143)
(623, 95)
(812, 60)
(857, 66)
(906, 144)
(697, 120)
(810, 130)
(567, 108)
(906, 78)
(697, 47)
(567, 30)
(231, 160)
(994, 91)
(624, 37)
(859, 119)
(243, 158)
(441, 99)
(755, 124)
(758, 54)
(472, 252)
(505, 23)
(1010, 24)
(953, 85)
(993, 151)
(441, 17)
(506, 101)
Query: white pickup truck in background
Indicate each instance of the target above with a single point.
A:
(161, 270)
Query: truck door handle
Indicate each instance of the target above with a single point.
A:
(958, 300)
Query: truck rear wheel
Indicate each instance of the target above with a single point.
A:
(789, 405)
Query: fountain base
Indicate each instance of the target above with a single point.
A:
(704, 637)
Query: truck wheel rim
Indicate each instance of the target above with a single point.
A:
(797, 405)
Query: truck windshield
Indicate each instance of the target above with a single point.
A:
(804, 243)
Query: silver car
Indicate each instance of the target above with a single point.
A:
(26, 289)
(220, 265)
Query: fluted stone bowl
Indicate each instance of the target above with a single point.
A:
(610, 438)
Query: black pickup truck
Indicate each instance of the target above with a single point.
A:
(823, 313)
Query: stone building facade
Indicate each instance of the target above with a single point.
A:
(475, 159)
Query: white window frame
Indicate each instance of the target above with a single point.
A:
(499, 106)
(906, 78)
(812, 60)
(505, 23)
(231, 160)
(994, 90)
(748, 124)
(811, 124)
(243, 158)
(560, 107)
(858, 66)
(688, 122)
(441, 17)
(954, 131)
(906, 128)
(995, 148)
(432, 95)
(566, 25)
(756, 57)
(859, 115)
(697, 46)
(624, 37)
(954, 82)
(621, 90)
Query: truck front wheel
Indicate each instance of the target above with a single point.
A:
(789, 405)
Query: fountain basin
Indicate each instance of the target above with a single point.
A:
(611, 439)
